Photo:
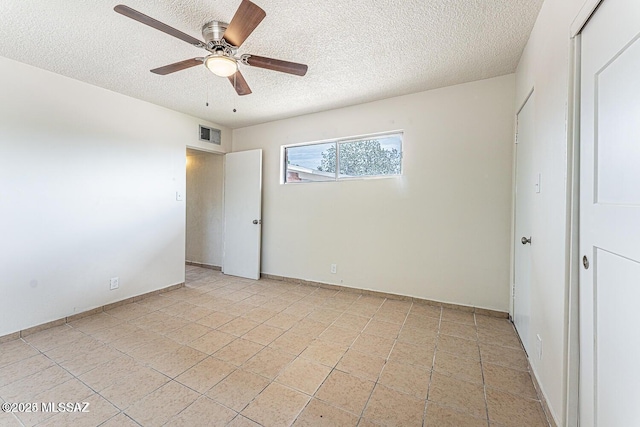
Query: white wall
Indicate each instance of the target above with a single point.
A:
(205, 209)
(545, 66)
(89, 180)
(441, 231)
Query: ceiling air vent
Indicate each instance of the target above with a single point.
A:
(210, 135)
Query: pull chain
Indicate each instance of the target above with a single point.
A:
(235, 87)
(207, 86)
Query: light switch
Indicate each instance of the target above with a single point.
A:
(179, 196)
(538, 183)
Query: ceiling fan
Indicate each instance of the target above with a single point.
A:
(222, 40)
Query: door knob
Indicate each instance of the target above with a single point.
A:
(524, 240)
(257, 221)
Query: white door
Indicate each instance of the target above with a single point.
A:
(242, 213)
(610, 216)
(525, 191)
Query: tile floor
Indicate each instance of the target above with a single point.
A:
(229, 351)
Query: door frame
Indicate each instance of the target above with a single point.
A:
(572, 238)
(572, 325)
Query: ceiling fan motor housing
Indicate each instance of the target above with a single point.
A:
(213, 31)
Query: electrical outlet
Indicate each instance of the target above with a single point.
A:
(334, 268)
(539, 346)
(114, 283)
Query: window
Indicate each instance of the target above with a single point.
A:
(371, 156)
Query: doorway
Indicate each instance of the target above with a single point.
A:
(204, 209)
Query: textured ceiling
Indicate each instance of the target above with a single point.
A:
(357, 50)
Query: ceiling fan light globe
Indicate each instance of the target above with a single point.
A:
(222, 66)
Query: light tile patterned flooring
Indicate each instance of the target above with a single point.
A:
(229, 351)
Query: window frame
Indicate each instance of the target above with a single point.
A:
(338, 142)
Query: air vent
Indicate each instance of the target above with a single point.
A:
(210, 135)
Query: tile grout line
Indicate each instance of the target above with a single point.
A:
(246, 291)
(208, 355)
(433, 366)
(271, 381)
(75, 376)
(360, 416)
(334, 368)
(170, 379)
(484, 383)
(364, 408)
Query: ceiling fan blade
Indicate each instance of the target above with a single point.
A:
(240, 84)
(172, 68)
(147, 20)
(277, 65)
(247, 18)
